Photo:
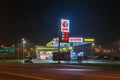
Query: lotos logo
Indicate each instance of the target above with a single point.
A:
(64, 25)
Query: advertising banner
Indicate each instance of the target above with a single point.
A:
(75, 39)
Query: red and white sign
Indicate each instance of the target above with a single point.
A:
(75, 39)
(64, 25)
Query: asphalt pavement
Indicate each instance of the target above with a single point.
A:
(56, 72)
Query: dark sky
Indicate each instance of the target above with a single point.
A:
(38, 20)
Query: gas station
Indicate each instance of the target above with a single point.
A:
(75, 46)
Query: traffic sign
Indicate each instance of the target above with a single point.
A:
(7, 50)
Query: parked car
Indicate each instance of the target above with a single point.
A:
(102, 57)
(114, 58)
(28, 60)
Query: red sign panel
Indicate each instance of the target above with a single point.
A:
(65, 37)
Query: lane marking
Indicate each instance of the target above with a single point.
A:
(26, 76)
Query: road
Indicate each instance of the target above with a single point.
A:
(56, 72)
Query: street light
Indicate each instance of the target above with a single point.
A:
(18, 49)
(93, 44)
(23, 45)
(2, 45)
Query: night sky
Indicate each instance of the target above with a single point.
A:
(38, 20)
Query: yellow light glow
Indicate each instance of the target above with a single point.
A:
(70, 47)
(49, 43)
(89, 40)
(64, 49)
(31, 49)
(45, 48)
(60, 49)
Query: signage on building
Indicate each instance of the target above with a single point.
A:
(75, 39)
(44, 48)
(65, 25)
(89, 40)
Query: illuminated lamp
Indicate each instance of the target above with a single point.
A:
(64, 49)
(70, 47)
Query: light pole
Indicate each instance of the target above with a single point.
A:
(23, 45)
(58, 42)
(93, 44)
(18, 49)
(3, 54)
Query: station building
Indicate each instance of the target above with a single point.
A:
(77, 46)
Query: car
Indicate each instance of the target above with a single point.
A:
(114, 58)
(28, 61)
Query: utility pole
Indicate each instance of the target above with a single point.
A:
(58, 42)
